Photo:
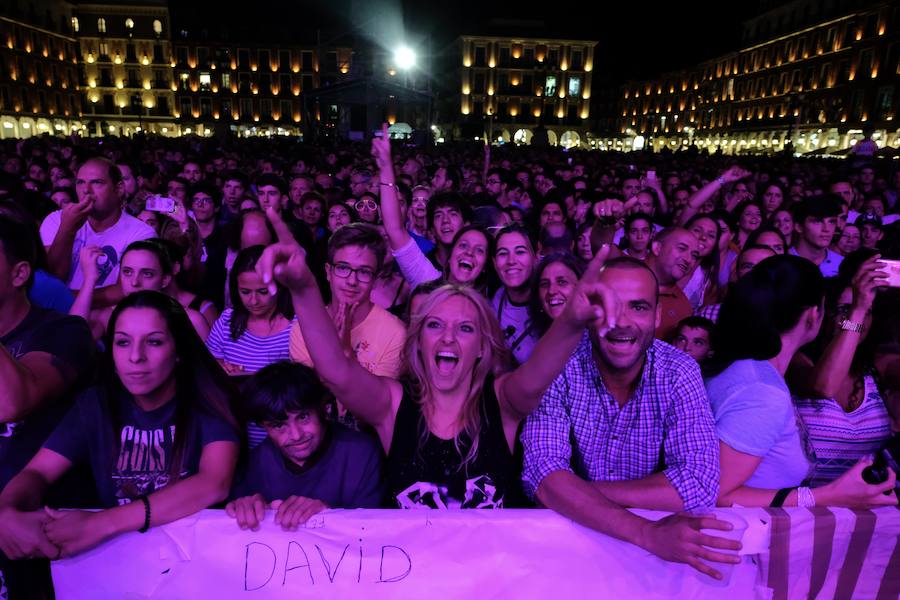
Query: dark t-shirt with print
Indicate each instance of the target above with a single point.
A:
(69, 340)
(144, 439)
(345, 472)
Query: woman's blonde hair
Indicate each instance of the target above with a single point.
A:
(494, 358)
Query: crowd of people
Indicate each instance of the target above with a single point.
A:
(264, 325)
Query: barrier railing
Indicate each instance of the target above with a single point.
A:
(788, 553)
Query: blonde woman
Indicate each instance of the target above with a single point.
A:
(449, 430)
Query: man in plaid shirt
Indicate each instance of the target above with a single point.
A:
(627, 424)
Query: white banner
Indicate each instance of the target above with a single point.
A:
(394, 554)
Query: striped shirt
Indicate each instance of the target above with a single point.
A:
(841, 438)
(249, 351)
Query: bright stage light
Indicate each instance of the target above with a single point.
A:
(404, 57)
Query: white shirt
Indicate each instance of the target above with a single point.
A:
(112, 243)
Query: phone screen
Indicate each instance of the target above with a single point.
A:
(892, 267)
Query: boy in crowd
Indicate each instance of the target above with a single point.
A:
(694, 335)
(306, 464)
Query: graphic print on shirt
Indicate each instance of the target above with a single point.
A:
(480, 493)
(143, 464)
(8, 430)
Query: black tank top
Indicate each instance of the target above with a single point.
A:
(430, 474)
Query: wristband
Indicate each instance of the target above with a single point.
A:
(780, 496)
(146, 526)
(848, 325)
(805, 498)
(385, 183)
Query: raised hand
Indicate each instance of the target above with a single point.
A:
(284, 261)
(74, 215)
(734, 173)
(609, 210)
(592, 300)
(88, 258)
(868, 278)
(381, 149)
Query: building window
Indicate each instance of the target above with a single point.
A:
(331, 64)
(204, 81)
(307, 82)
(574, 85)
(265, 106)
(286, 109)
(226, 80)
(528, 55)
(479, 83)
(480, 56)
(284, 59)
(75, 24)
(306, 60)
(576, 60)
(504, 56)
(205, 107)
(185, 83)
(243, 58)
(226, 108)
(181, 54)
(550, 86)
(883, 102)
(246, 107)
(157, 27)
(101, 25)
(264, 60)
(553, 57)
(186, 108)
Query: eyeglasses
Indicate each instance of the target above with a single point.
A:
(363, 204)
(493, 181)
(200, 201)
(363, 274)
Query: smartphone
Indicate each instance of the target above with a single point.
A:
(160, 204)
(892, 267)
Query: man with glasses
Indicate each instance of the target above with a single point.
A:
(205, 203)
(355, 256)
(497, 184)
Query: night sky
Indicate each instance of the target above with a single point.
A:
(636, 39)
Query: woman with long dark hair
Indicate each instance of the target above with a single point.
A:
(838, 389)
(255, 331)
(157, 433)
(767, 316)
(555, 279)
(702, 284)
(514, 262)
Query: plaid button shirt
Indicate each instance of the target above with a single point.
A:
(667, 425)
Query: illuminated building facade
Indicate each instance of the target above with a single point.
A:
(509, 86)
(253, 89)
(39, 65)
(815, 74)
(126, 64)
